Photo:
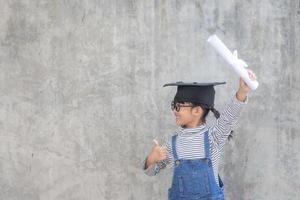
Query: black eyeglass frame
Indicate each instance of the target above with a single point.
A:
(177, 105)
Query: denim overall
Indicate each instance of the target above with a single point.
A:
(194, 178)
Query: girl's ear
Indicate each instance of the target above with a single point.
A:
(198, 110)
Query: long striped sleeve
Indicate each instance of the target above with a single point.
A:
(223, 126)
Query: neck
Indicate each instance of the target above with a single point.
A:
(193, 124)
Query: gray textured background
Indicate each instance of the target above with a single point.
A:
(81, 96)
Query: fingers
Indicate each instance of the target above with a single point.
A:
(252, 75)
(155, 142)
(241, 81)
(159, 153)
(161, 147)
(164, 152)
(164, 148)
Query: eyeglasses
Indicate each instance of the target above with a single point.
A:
(176, 106)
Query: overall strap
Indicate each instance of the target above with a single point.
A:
(174, 137)
(206, 145)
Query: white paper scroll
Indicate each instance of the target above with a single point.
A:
(238, 65)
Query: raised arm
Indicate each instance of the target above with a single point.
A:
(230, 115)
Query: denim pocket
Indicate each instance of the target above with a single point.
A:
(196, 185)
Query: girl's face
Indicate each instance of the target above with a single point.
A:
(186, 115)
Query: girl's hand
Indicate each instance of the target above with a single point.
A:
(158, 153)
(244, 89)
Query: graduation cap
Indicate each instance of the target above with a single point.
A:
(198, 93)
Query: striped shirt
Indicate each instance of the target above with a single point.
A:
(190, 141)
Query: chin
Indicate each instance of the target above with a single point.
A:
(178, 123)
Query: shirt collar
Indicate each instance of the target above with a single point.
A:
(191, 131)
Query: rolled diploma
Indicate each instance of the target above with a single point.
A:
(237, 65)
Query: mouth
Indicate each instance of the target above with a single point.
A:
(177, 116)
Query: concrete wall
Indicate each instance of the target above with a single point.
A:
(81, 96)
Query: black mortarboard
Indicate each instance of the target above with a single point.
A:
(199, 93)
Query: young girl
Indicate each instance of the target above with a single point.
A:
(194, 151)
